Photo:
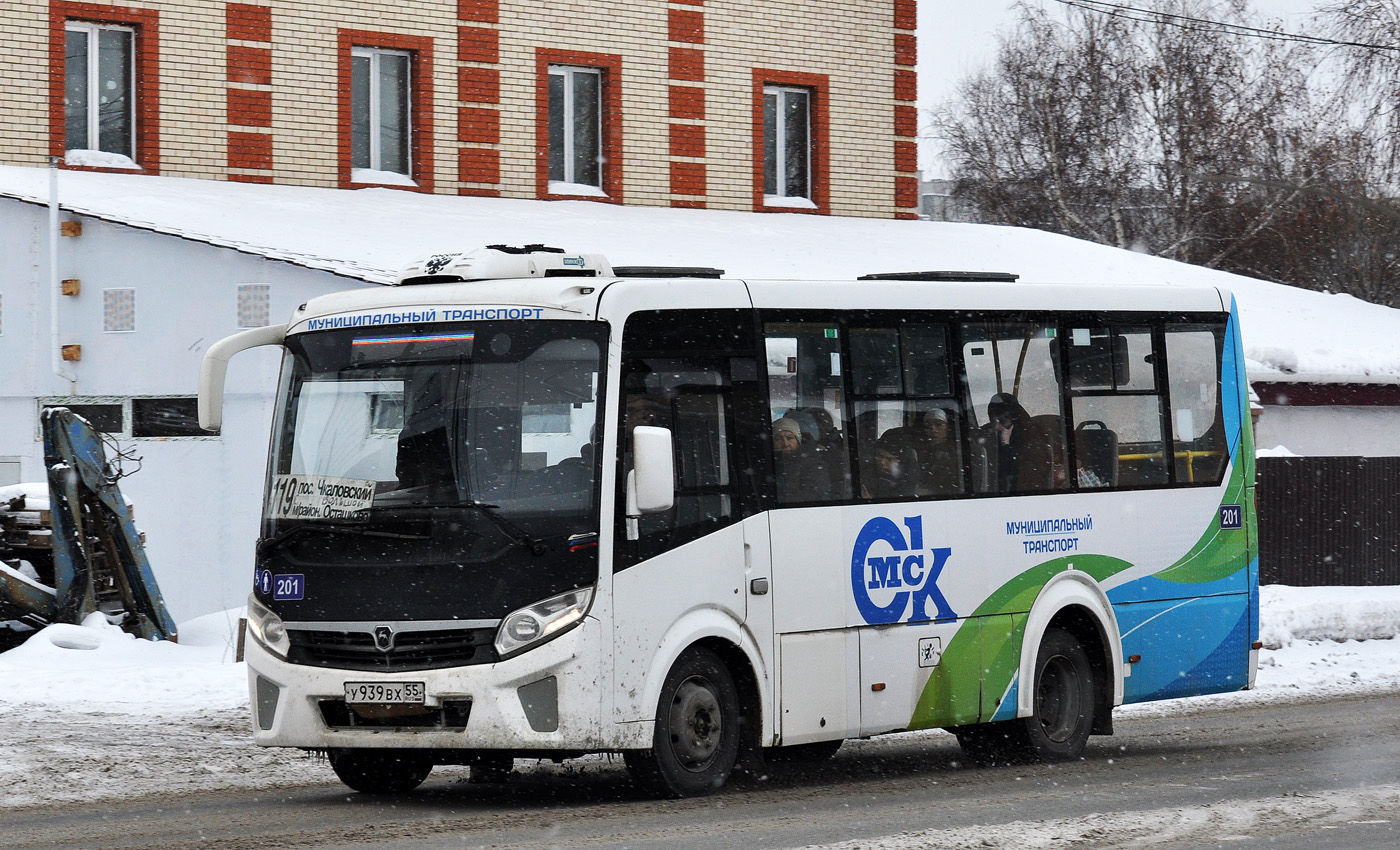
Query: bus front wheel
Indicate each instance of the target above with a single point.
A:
(696, 741)
(381, 771)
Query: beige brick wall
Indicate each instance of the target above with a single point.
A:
(24, 96)
(850, 41)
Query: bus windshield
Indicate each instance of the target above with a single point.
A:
(444, 443)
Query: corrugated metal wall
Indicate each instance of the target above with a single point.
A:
(1329, 520)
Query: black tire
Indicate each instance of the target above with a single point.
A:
(696, 742)
(818, 751)
(1063, 711)
(1063, 714)
(381, 771)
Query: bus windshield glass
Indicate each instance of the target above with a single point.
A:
(456, 441)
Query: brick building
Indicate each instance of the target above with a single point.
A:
(719, 104)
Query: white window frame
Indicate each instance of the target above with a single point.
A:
(782, 197)
(376, 141)
(570, 73)
(94, 134)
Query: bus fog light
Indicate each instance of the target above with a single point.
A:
(542, 621)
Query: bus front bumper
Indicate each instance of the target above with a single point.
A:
(546, 699)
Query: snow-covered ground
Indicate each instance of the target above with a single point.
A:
(92, 713)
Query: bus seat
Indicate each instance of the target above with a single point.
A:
(1096, 446)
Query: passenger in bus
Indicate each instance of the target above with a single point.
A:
(897, 468)
(830, 446)
(802, 476)
(936, 447)
(1008, 422)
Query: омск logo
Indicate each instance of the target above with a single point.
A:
(883, 559)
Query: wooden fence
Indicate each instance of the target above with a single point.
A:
(1329, 520)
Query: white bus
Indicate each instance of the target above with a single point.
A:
(526, 505)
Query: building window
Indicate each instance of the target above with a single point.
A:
(787, 143)
(380, 91)
(99, 102)
(578, 125)
(161, 417)
(790, 159)
(385, 110)
(575, 129)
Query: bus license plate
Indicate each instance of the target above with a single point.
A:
(385, 693)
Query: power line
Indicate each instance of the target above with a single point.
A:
(1153, 16)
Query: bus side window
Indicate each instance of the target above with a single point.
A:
(811, 457)
(907, 422)
(1014, 388)
(1198, 430)
(1117, 407)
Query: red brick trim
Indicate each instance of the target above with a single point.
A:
(685, 25)
(250, 178)
(688, 140)
(249, 108)
(906, 216)
(906, 14)
(479, 165)
(247, 22)
(478, 44)
(478, 125)
(691, 204)
(611, 67)
(688, 178)
(481, 11)
(146, 23)
(819, 86)
(906, 192)
(686, 102)
(687, 63)
(420, 111)
(689, 2)
(479, 85)
(906, 121)
(906, 49)
(906, 156)
(249, 150)
(906, 85)
(250, 65)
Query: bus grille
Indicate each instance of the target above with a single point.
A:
(426, 650)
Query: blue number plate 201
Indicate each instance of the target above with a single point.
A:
(289, 587)
(1231, 516)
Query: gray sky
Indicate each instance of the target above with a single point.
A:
(959, 36)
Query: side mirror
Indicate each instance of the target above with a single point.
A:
(214, 367)
(651, 484)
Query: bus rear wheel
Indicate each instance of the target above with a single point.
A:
(696, 741)
(381, 771)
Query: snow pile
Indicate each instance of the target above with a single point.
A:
(1289, 614)
(97, 666)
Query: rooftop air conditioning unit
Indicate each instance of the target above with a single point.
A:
(504, 262)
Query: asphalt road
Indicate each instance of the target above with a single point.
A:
(1321, 773)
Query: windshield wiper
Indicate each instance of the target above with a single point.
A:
(333, 527)
(518, 535)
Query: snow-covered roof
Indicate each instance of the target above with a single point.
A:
(369, 234)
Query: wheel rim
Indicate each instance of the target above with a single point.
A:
(697, 726)
(1057, 699)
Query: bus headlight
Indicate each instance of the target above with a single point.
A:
(267, 628)
(542, 621)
